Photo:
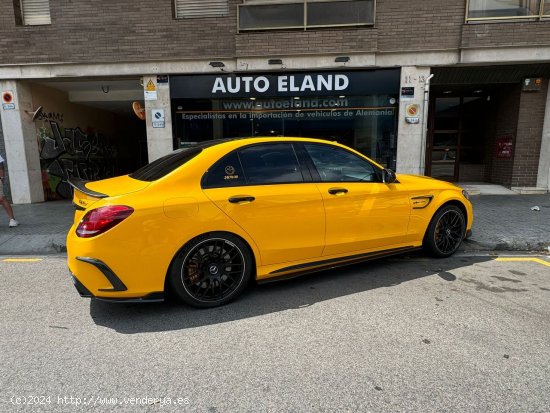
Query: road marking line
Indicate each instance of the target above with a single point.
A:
(537, 260)
(22, 259)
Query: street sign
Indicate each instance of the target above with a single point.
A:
(7, 100)
(412, 110)
(150, 91)
(407, 92)
(157, 116)
(411, 114)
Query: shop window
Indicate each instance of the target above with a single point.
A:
(362, 113)
(483, 10)
(32, 12)
(338, 165)
(304, 14)
(186, 9)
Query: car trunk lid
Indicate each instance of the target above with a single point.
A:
(87, 193)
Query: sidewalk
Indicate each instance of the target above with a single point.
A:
(42, 228)
(501, 222)
(507, 223)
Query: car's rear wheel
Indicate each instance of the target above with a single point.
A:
(211, 270)
(445, 232)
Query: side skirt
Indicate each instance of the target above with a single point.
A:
(310, 267)
(156, 297)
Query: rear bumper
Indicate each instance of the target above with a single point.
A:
(85, 293)
(116, 283)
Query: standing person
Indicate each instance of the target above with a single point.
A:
(3, 200)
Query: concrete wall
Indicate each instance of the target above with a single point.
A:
(58, 108)
(334, 41)
(159, 139)
(411, 137)
(21, 144)
(105, 30)
(404, 25)
(504, 121)
(529, 135)
(146, 31)
(519, 115)
(533, 33)
(73, 140)
(7, 190)
(543, 177)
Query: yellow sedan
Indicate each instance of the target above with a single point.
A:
(205, 220)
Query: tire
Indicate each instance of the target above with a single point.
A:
(211, 270)
(446, 231)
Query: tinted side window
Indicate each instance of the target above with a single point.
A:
(270, 164)
(163, 166)
(338, 165)
(226, 172)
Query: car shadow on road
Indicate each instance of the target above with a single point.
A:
(270, 298)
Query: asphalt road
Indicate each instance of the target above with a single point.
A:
(412, 334)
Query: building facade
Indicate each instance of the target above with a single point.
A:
(453, 89)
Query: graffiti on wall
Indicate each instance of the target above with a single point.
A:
(70, 152)
(49, 116)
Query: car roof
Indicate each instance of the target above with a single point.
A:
(221, 145)
(258, 139)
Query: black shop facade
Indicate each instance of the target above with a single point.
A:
(356, 108)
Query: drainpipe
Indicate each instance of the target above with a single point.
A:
(425, 124)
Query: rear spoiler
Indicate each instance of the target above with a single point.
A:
(80, 184)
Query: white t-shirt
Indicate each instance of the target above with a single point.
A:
(1, 159)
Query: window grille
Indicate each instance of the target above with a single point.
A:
(186, 9)
(34, 12)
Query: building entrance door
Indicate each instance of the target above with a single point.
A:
(456, 136)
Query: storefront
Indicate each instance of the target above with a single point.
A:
(486, 125)
(356, 108)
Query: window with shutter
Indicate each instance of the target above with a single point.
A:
(186, 9)
(33, 12)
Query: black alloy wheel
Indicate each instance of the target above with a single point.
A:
(445, 232)
(211, 270)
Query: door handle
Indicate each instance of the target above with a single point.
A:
(237, 199)
(336, 191)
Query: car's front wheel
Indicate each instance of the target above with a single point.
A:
(445, 232)
(211, 270)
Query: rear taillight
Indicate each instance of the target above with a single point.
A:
(99, 220)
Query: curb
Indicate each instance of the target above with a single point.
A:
(472, 245)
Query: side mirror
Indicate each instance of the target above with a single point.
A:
(388, 176)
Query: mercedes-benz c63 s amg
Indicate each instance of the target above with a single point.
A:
(204, 220)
